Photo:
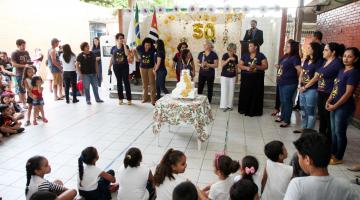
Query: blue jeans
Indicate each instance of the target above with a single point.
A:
(87, 80)
(308, 102)
(339, 122)
(160, 83)
(286, 99)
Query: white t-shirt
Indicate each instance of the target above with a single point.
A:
(68, 67)
(132, 181)
(165, 190)
(38, 183)
(90, 178)
(319, 187)
(221, 189)
(278, 179)
(256, 179)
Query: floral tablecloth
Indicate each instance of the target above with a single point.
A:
(195, 112)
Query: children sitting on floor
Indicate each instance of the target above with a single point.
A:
(8, 99)
(36, 168)
(186, 191)
(166, 176)
(93, 182)
(314, 152)
(277, 175)
(46, 195)
(224, 166)
(244, 189)
(135, 179)
(248, 170)
(8, 123)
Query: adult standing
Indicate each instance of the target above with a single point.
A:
(56, 69)
(207, 60)
(254, 34)
(251, 96)
(287, 79)
(20, 59)
(325, 76)
(146, 53)
(341, 103)
(308, 91)
(160, 69)
(119, 61)
(87, 66)
(229, 76)
(68, 59)
(96, 50)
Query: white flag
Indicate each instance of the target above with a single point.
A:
(131, 41)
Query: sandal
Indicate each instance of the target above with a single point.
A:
(275, 113)
(278, 120)
(355, 168)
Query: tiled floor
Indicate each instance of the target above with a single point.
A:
(112, 129)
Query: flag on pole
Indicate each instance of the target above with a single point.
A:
(153, 28)
(137, 27)
(131, 33)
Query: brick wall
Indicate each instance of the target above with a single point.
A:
(343, 25)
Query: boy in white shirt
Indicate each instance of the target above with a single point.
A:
(277, 175)
(314, 152)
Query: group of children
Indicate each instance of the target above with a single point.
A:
(136, 182)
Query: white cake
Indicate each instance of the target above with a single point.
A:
(185, 89)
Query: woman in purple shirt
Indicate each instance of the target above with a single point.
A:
(287, 80)
(341, 104)
(308, 92)
(325, 77)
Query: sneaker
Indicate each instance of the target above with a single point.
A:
(75, 100)
(121, 102)
(100, 101)
(230, 109)
(129, 103)
(20, 130)
(35, 123)
(45, 120)
(27, 123)
(67, 101)
(88, 103)
(226, 109)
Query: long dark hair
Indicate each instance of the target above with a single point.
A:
(338, 48)
(250, 165)
(294, 48)
(32, 164)
(226, 165)
(94, 46)
(164, 169)
(133, 157)
(88, 155)
(160, 46)
(317, 52)
(355, 51)
(67, 53)
(25, 74)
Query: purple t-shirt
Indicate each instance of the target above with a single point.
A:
(246, 58)
(350, 77)
(328, 74)
(119, 56)
(229, 70)
(287, 74)
(308, 72)
(209, 59)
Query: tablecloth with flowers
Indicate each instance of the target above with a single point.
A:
(195, 112)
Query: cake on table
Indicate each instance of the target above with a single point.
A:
(185, 89)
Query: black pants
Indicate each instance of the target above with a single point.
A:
(324, 115)
(160, 83)
(122, 75)
(277, 102)
(70, 80)
(210, 84)
(101, 193)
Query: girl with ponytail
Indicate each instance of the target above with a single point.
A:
(93, 182)
(248, 170)
(134, 180)
(166, 176)
(36, 168)
(224, 166)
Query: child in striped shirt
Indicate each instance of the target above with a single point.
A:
(36, 168)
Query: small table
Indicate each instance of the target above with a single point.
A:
(195, 112)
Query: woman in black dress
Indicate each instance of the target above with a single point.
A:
(253, 66)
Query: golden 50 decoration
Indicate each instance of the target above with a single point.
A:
(207, 31)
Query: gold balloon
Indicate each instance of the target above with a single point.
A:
(209, 31)
(197, 29)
